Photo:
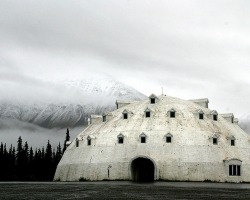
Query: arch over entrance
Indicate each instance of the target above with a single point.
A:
(142, 170)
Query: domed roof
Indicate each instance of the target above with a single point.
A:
(198, 135)
(186, 121)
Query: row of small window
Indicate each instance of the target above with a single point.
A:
(215, 141)
(148, 114)
(169, 140)
(121, 140)
(171, 115)
(88, 142)
(143, 139)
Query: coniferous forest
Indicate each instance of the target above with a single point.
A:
(23, 163)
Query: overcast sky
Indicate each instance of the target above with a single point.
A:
(193, 49)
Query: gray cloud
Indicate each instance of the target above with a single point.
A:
(191, 48)
(35, 136)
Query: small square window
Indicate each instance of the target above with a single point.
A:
(215, 141)
(215, 117)
(143, 139)
(125, 115)
(104, 118)
(152, 101)
(120, 140)
(232, 142)
(168, 139)
(201, 116)
(172, 114)
(89, 142)
(147, 114)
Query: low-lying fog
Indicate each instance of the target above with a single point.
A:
(36, 136)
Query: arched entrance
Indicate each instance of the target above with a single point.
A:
(142, 170)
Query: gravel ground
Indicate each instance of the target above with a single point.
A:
(123, 190)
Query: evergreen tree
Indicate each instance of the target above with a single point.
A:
(10, 164)
(26, 156)
(5, 153)
(39, 155)
(19, 157)
(25, 164)
(19, 150)
(22, 159)
(48, 153)
(4, 162)
(31, 163)
(26, 150)
(42, 164)
(36, 164)
(66, 140)
(13, 156)
(48, 162)
(53, 156)
(10, 150)
(13, 163)
(5, 157)
(1, 149)
(42, 154)
(58, 153)
(31, 155)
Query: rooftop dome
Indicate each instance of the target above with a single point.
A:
(160, 138)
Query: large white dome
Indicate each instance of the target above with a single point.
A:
(160, 138)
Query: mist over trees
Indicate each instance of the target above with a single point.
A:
(25, 164)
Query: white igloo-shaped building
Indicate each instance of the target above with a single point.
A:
(160, 138)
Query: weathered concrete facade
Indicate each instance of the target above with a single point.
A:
(179, 140)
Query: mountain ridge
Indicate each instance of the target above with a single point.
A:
(89, 96)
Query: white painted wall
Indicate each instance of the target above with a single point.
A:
(190, 157)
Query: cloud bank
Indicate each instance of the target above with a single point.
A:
(192, 49)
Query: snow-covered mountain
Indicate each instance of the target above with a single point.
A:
(84, 97)
(104, 86)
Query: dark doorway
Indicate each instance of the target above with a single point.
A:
(142, 170)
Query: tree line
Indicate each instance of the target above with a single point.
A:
(23, 163)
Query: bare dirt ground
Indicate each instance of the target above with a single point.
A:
(123, 190)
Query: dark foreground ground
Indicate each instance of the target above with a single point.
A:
(123, 190)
